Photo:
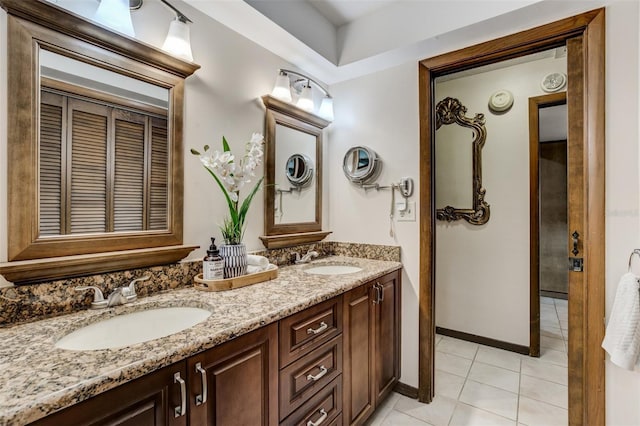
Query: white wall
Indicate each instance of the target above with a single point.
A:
(381, 110)
(473, 280)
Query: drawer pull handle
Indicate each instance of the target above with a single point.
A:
(376, 298)
(202, 398)
(181, 409)
(323, 327)
(381, 287)
(321, 419)
(323, 371)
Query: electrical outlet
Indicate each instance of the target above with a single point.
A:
(408, 215)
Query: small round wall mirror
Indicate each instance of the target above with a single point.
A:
(361, 164)
(299, 170)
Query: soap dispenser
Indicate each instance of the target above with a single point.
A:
(213, 263)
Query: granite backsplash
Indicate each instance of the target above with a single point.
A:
(33, 302)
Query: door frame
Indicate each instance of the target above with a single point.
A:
(584, 36)
(535, 103)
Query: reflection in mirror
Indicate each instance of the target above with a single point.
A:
(361, 165)
(459, 176)
(299, 170)
(103, 150)
(295, 156)
(454, 171)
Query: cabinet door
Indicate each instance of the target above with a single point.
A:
(148, 401)
(241, 379)
(387, 334)
(358, 354)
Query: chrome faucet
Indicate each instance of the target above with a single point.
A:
(119, 296)
(306, 258)
(130, 291)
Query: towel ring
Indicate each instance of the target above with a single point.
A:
(637, 252)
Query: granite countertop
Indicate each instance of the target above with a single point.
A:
(37, 379)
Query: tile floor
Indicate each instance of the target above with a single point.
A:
(480, 385)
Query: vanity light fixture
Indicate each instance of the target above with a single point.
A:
(116, 15)
(282, 91)
(178, 41)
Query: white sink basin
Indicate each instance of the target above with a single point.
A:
(136, 327)
(332, 269)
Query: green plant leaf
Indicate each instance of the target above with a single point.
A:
(247, 202)
(225, 145)
(233, 209)
(194, 152)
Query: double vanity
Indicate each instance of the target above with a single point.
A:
(320, 344)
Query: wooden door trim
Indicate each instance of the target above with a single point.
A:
(535, 103)
(589, 407)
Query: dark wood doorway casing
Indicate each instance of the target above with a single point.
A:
(535, 104)
(584, 36)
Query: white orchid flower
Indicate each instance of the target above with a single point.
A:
(257, 138)
(232, 175)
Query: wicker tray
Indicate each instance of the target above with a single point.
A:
(235, 282)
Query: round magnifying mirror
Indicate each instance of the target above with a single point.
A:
(361, 164)
(299, 170)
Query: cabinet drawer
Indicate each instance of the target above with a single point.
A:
(304, 377)
(302, 332)
(327, 404)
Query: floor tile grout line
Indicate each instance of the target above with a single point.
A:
(463, 385)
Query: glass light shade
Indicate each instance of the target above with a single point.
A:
(282, 89)
(326, 108)
(115, 14)
(178, 41)
(305, 101)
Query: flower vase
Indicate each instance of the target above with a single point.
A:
(235, 259)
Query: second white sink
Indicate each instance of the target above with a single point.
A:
(129, 329)
(333, 269)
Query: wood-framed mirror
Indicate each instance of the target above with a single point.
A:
(95, 154)
(459, 141)
(293, 212)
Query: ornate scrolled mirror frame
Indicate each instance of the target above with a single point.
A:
(451, 111)
(36, 25)
(289, 234)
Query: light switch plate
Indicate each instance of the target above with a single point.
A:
(408, 215)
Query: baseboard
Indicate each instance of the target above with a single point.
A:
(554, 294)
(406, 390)
(511, 347)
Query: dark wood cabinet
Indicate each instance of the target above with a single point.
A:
(151, 400)
(330, 364)
(358, 354)
(311, 357)
(372, 346)
(236, 383)
(387, 335)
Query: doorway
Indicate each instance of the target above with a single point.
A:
(548, 217)
(584, 38)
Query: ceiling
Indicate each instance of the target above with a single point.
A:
(340, 12)
(338, 40)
